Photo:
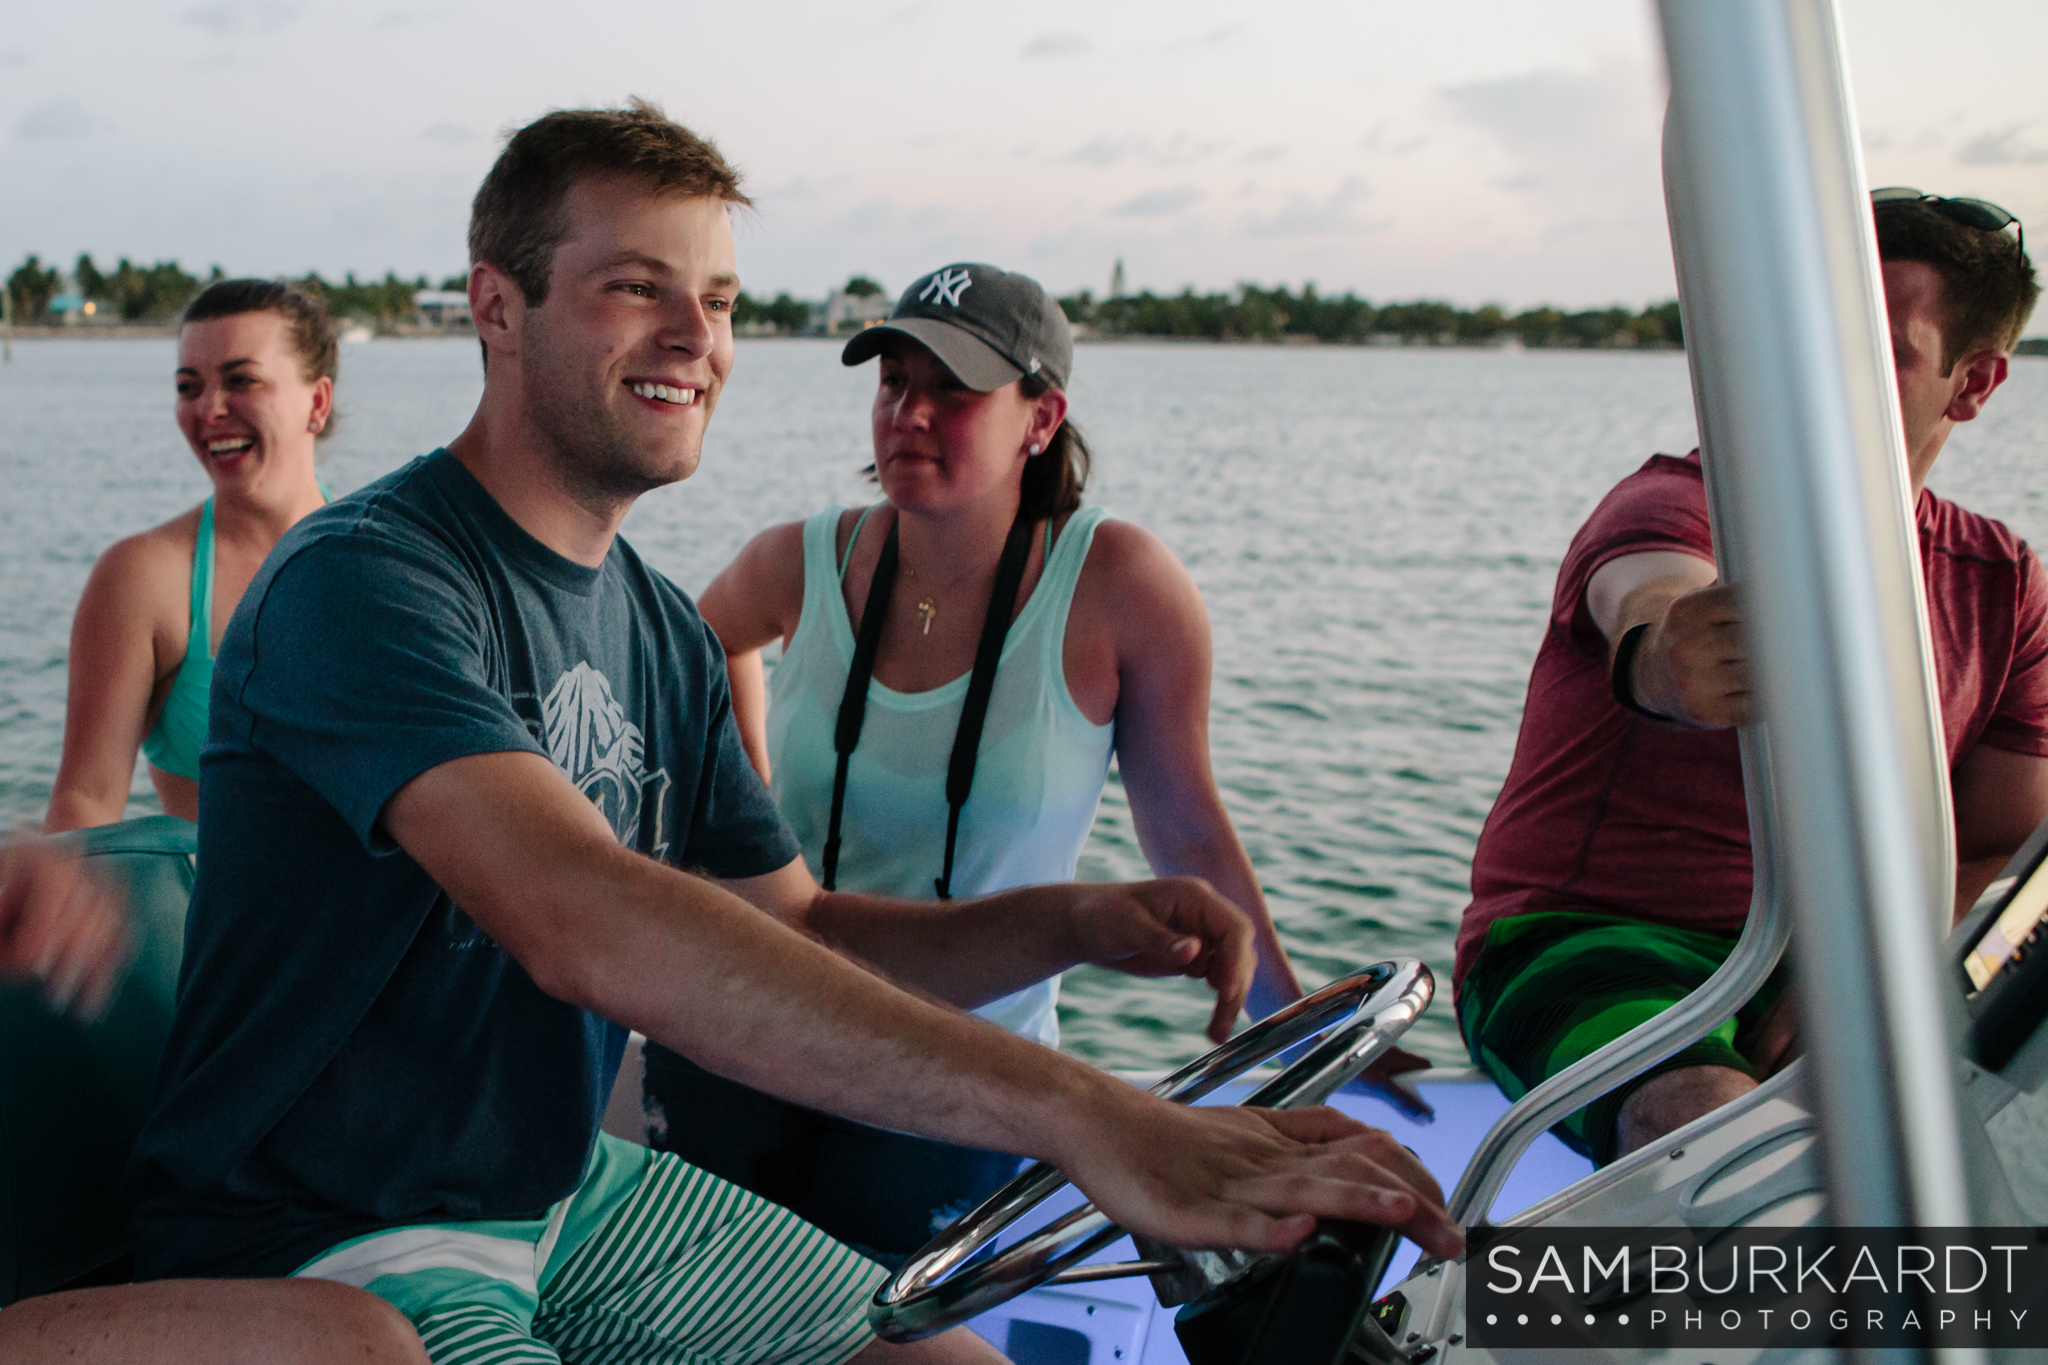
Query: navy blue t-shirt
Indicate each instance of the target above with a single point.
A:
(350, 1051)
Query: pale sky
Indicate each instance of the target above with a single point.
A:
(1475, 150)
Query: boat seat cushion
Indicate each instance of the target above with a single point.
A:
(73, 1095)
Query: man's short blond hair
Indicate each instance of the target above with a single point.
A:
(518, 218)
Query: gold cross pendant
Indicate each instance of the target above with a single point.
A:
(926, 610)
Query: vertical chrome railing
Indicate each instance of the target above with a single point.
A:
(1792, 371)
(1791, 367)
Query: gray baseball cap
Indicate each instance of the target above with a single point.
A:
(988, 326)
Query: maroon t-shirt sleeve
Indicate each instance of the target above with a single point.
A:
(1662, 506)
(2019, 722)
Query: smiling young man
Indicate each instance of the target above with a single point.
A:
(1614, 871)
(474, 805)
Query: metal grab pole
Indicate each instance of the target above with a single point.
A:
(1792, 371)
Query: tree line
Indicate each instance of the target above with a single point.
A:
(1253, 313)
(157, 293)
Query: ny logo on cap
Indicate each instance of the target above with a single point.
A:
(948, 285)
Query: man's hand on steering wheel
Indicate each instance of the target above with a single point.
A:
(1176, 926)
(1256, 1179)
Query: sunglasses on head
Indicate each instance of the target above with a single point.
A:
(1976, 213)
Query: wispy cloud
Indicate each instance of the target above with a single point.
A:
(241, 18)
(2002, 148)
(885, 217)
(16, 57)
(1178, 150)
(1271, 152)
(407, 16)
(1576, 148)
(1215, 37)
(1536, 109)
(1055, 45)
(1304, 215)
(1387, 138)
(789, 191)
(57, 120)
(450, 132)
(1160, 203)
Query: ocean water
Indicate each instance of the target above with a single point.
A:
(1376, 533)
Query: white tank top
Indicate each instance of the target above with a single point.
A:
(1037, 780)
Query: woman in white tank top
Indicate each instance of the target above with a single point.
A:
(1106, 647)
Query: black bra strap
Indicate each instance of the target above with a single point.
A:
(853, 704)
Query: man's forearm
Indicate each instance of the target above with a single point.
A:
(768, 1007)
(693, 966)
(1223, 863)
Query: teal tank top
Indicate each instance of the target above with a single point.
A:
(1037, 781)
(181, 726)
(180, 731)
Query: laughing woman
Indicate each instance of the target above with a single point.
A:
(255, 380)
(979, 642)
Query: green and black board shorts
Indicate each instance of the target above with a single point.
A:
(1549, 989)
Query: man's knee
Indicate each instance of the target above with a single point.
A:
(223, 1322)
(370, 1329)
(1667, 1102)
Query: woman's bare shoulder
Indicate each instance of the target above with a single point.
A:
(149, 572)
(1124, 555)
(1134, 591)
(773, 552)
(176, 538)
(761, 589)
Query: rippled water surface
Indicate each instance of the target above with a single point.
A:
(1376, 533)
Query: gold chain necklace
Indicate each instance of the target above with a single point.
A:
(927, 606)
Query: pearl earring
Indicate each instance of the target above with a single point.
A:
(1035, 447)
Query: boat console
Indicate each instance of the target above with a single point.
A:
(1756, 1163)
(2000, 956)
(1303, 1307)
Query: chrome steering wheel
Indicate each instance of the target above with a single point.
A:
(1358, 1018)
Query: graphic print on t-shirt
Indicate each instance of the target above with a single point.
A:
(589, 738)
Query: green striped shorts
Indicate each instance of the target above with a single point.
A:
(1550, 989)
(650, 1260)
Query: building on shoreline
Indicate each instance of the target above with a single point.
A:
(843, 312)
(447, 309)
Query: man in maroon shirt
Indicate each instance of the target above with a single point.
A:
(1613, 874)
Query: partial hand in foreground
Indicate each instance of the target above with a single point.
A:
(60, 926)
(1177, 926)
(1693, 665)
(1255, 1179)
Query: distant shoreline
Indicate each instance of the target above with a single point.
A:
(2029, 348)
